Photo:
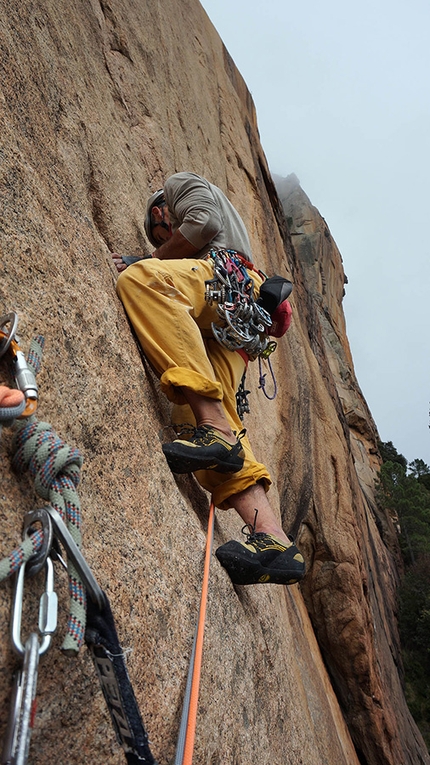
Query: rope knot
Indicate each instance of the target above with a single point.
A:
(46, 455)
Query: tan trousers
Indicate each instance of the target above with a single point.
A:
(165, 303)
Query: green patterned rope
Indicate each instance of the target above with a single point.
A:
(28, 547)
(55, 467)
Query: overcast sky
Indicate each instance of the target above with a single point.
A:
(342, 98)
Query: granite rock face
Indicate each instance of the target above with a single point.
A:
(99, 103)
(350, 590)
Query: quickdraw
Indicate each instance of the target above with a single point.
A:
(245, 324)
(242, 403)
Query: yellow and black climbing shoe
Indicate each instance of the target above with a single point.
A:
(261, 559)
(206, 449)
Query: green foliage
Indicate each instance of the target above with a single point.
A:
(421, 471)
(407, 499)
(389, 453)
(415, 608)
(418, 468)
(404, 490)
(425, 480)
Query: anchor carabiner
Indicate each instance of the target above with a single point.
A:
(47, 610)
(24, 378)
(37, 560)
(62, 533)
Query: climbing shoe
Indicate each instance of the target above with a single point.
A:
(206, 449)
(261, 559)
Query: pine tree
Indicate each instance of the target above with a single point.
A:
(404, 490)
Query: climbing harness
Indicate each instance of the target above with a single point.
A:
(246, 324)
(56, 471)
(187, 729)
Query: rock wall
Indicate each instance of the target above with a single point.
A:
(99, 103)
(351, 589)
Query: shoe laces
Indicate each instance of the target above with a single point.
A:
(206, 434)
(183, 429)
(254, 536)
(251, 534)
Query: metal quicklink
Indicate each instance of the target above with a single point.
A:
(24, 378)
(246, 323)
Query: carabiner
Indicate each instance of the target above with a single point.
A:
(7, 337)
(62, 533)
(37, 560)
(24, 378)
(18, 731)
(47, 610)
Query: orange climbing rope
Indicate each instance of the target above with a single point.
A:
(196, 659)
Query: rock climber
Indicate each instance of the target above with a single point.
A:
(164, 297)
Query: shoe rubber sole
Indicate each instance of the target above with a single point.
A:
(182, 460)
(244, 570)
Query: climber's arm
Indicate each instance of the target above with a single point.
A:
(175, 248)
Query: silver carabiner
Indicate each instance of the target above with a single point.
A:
(47, 610)
(18, 732)
(62, 533)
